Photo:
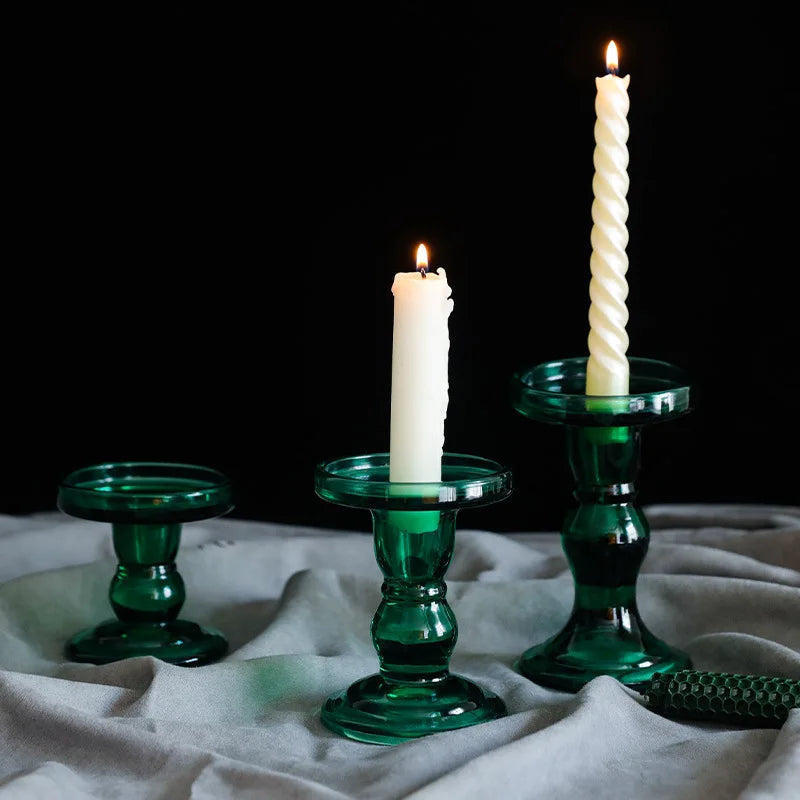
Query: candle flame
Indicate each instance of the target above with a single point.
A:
(612, 58)
(422, 257)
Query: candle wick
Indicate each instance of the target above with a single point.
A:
(612, 70)
(423, 270)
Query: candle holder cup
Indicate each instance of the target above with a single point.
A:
(146, 504)
(414, 629)
(605, 538)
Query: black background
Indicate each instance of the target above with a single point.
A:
(207, 207)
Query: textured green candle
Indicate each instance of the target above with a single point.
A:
(754, 701)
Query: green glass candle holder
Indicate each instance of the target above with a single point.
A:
(146, 504)
(605, 538)
(414, 629)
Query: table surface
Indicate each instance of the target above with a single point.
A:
(720, 582)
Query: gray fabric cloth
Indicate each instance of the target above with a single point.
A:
(721, 582)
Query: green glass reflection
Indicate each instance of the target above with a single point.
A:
(605, 537)
(414, 629)
(146, 504)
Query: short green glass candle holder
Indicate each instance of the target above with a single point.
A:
(146, 504)
(605, 538)
(414, 629)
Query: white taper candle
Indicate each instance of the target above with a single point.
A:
(607, 369)
(420, 352)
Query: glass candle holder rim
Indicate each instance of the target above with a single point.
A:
(553, 391)
(678, 377)
(480, 480)
(207, 479)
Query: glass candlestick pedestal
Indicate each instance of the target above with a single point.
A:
(605, 538)
(414, 630)
(146, 504)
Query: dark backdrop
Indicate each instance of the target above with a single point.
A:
(208, 206)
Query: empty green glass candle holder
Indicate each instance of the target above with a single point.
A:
(605, 538)
(414, 630)
(146, 504)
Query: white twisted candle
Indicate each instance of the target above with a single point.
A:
(607, 370)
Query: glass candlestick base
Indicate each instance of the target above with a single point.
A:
(146, 504)
(606, 537)
(414, 629)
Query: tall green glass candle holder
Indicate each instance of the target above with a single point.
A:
(146, 504)
(414, 629)
(605, 538)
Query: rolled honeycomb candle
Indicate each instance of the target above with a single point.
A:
(753, 701)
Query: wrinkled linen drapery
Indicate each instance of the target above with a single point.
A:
(721, 582)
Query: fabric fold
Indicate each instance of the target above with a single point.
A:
(296, 605)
